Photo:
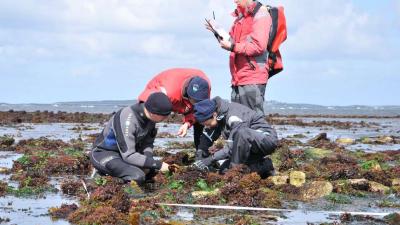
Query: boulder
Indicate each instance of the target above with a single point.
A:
(6, 142)
(317, 153)
(3, 170)
(396, 182)
(371, 186)
(378, 188)
(384, 140)
(315, 190)
(278, 180)
(202, 194)
(297, 178)
(345, 141)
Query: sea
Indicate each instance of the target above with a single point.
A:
(271, 107)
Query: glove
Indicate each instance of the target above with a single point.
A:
(203, 164)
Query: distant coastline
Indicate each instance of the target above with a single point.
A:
(272, 107)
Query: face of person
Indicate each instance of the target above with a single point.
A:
(242, 3)
(192, 101)
(212, 122)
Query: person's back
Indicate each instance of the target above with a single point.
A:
(124, 148)
(184, 87)
(249, 137)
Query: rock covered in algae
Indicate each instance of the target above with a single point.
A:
(297, 178)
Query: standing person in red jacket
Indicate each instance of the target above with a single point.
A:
(184, 87)
(248, 59)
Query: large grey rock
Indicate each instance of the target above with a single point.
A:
(315, 190)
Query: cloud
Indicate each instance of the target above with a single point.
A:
(333, 30)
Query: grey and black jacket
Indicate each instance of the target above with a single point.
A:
(231, 117)
(132, 134)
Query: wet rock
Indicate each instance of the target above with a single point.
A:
(381, 140)
(297, 136)
(99, 215)
(297, 178)
(3, 170)
(202, 194)
(345, 141)
(63, 211)
(71, 187)
(393, 219)
(365, 140)
(12, 117)
(278, 180)
(315, 190)
(319, 137)
(6, 142)
(317, 153)
(396, 182)
(384, 140)
(365, 219)
(3, 188)
(372, 186)
(378, 188)
(183, 158)
(379, 176)
(371, 165)
(4, 219)
(283, 158)
(165, 135)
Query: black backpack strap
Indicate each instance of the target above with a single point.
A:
(258, 6)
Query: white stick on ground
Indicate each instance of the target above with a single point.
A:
(84, 186)
(269, 209)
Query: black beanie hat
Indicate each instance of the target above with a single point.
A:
(158, 103)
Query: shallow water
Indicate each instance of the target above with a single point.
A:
(35, 211)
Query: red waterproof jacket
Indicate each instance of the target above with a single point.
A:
(173, 83)
(250, 34)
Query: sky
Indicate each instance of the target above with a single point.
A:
(338, 52)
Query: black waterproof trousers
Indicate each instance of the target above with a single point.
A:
(111, 163)
(251, 146)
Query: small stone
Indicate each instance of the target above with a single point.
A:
(6, 141)
(366, 140)
(316, 189)
(396, 182)
(202, 194)
(345, 141)
(384, 140)
(278, 180)
(3, 170)
(378, 188)
(297, 178)
(358, 181)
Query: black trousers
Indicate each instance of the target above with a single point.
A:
(251, 146)
(197, 132)
(111, 163)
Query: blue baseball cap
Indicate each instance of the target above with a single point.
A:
(198, 89)
(204, 110)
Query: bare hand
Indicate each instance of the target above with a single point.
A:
(164, 167)
(183, 130)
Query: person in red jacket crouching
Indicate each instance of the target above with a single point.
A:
(184, 87)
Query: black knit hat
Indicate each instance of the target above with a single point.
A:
(158, 103)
